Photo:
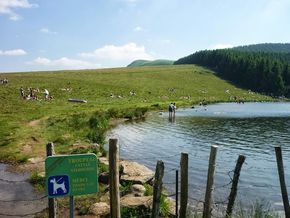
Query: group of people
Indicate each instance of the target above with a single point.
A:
(132, 92)
(203, 103)
(4, 81)
(172, 109)
(32, 94)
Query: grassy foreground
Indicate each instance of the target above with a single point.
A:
(27, 125)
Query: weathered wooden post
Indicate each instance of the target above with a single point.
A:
(52, 204)
(280, 166)
(114, 178)
(157, 188)
(176, 190)
(210, 181)
(183, 185)
(233, 194)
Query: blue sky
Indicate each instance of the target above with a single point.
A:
(82, 34)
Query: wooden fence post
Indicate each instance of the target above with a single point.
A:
(280, 166)
(114, 178)
(176, 190)
(210, 181)
(183, 185)
(157, 188)
(233, 194)
(52, 204)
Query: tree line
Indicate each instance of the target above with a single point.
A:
(265, 47)
(267, 73)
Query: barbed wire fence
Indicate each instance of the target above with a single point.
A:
(220, 203)
(196, 202)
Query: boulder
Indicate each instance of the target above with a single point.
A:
(138, 190)
(100, 209)
(105, 197)
(131, 171)
(135, 173)
(104, 161)
(136, 202)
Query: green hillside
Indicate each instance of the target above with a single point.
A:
(27, 125)
(142, 63)
(265, 47)
(264, 72)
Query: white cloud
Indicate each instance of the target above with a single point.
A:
(47, 31)
(62, 63)
(222, 46)
(127, 52)
(41, 61)
(15, 52)
(7, 7)
(138, 29)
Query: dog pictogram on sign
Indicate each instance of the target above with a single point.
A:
(58, 185)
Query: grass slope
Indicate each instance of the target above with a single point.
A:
(142, 63)
(27, 125)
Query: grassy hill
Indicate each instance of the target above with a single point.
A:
(265, 47)
(27, 125)
(142, 63)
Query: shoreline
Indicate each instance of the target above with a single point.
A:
(117, 122)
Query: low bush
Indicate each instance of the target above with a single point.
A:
(37, 181)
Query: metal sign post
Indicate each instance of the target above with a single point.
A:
(71, 207)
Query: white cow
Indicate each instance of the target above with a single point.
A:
(57, 186)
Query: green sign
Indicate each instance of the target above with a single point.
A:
(70, 175)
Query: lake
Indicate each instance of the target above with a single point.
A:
(250, 129)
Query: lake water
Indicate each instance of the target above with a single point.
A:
(250, 129)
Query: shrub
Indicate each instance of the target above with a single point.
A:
(103, 168)
(164, 206)
(148, 190)
(77, 121)
(98, 121)
(96, 136)
(135, 212)
(136, 113)
(98, 124)
(113, 113)
(125, 188)
(37, 181)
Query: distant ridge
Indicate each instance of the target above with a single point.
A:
(265, 47)
(159, 62)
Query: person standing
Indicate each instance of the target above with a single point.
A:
(21, 92)
(31, 93)
(170, 110)
(46, 93)
(174, 108)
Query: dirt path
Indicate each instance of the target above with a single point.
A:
(17, 197)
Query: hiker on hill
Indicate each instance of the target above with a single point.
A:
(21, 92)
(31, 94)
(46, 93)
